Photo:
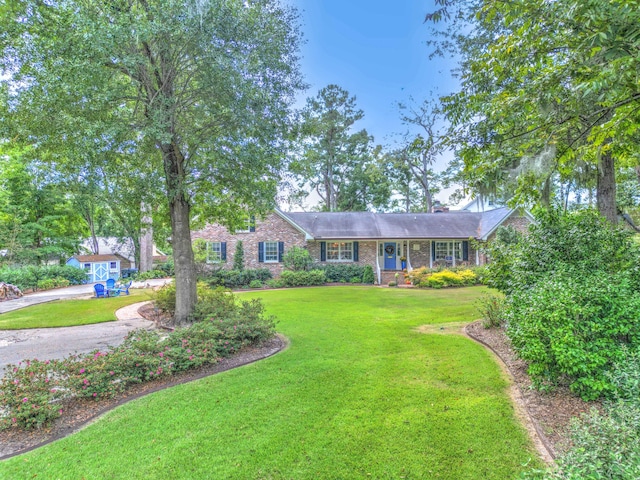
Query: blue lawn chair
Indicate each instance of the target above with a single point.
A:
(125, 288)
(100, 290)
(111, 284)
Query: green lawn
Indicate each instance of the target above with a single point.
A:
(66, 313)
(360, 393)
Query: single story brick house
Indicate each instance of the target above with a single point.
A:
(382, 240)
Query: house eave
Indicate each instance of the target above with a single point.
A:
(281, 214)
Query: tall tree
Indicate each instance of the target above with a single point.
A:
(38, 222)
(546, 86)
(421, 150)
(199, 89)
(336, 161)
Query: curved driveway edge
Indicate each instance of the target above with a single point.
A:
(57, 343)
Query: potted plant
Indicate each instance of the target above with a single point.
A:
(403, 262)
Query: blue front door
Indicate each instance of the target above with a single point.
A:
(389, 256)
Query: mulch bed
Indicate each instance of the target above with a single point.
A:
(550, 412)
(79, 412)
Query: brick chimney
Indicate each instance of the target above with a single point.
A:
(438, 207)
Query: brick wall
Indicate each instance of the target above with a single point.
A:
(272, 229)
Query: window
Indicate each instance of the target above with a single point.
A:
(87, 267)
(340, 252)
(113, 266)
(214, 252)
(448, 251)
(270, 251)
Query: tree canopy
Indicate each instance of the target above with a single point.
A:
(196, 92)
(548, 93)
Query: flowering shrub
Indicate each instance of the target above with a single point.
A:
(30, 393)
(424, 277)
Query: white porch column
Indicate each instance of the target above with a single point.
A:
(378, 273)
(430, 244)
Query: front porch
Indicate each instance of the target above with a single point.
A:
(395, 255)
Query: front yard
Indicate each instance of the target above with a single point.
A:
(359, 393)
(67, 313)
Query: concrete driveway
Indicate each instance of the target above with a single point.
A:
(55, 343)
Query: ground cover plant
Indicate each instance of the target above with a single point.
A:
(67, 313)
(359, 393)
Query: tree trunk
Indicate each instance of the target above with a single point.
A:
(606, 188)
(146, 240)
(186, 295)
(179, 211)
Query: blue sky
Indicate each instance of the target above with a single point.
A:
(376, 50)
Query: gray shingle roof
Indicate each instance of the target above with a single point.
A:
(366, 225)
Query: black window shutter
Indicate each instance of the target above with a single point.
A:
(323, 251)
(252, 223)
(433, 251)
(223, 251)
(465, 251)
(355, 251)
(261, 252)
(280, 251)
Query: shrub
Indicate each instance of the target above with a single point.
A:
(275, 283)
(603, 446)
(255, 284)
(297, 259)
(341, 273)
(165, 298)
(368, 276)
(214, 303)
(149, 275)
(573, 328)
(167, 267)
(491, 307)
(392, 284)
(237, 278)
(30, 393)
(37, 277)
(303, 278)
(238, 257)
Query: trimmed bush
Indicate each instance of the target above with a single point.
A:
(341, 272)
(367, 275)
(423, 277)
(297, 259)
(303, 278)
(237, 278)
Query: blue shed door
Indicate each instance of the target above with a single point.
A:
(100, 272)
(389, 256)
